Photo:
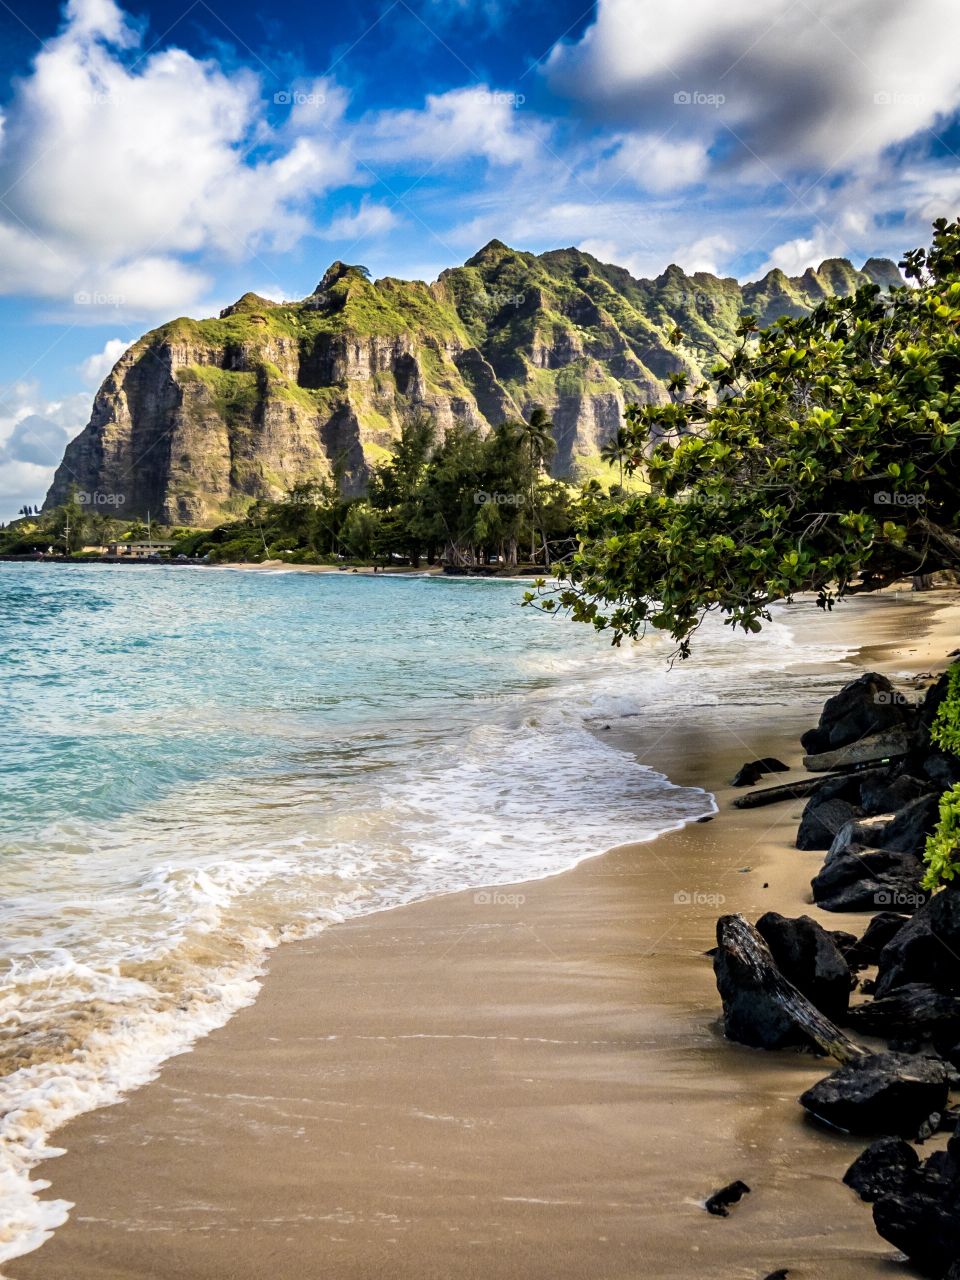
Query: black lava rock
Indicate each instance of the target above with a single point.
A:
(882, 1168)
(883, 1093)
(809, 958)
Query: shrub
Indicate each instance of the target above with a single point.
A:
(945, 730)
(943, 847)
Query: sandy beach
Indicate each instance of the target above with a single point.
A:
(523, 1082)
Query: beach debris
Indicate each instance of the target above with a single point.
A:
(773, 795)
(761, 1007)
(882, 1168)
(863, 708)
(719, 1203)
(885, 1093)
(891, 744)
(807, 955)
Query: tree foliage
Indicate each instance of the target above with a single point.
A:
(468, 499)
(820, 455)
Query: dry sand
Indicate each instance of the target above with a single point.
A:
(532, 1085)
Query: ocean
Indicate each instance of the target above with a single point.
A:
(198, 764)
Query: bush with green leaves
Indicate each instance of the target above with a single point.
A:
(821, 456)
(945, 730)
(943, 847)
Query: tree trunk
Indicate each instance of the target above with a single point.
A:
(751, 976)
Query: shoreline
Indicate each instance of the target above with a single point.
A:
(645, 1076)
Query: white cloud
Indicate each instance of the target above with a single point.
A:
(821, 83)
(368, 220)
(96, 367)
(477, 121)
(657, 163)
(34, 431)
(115, 168)
(706, 254)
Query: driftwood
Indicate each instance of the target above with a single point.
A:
(786, 791)
(760, 1006)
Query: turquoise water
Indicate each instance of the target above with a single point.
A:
(200, 763)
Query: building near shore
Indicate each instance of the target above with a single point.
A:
(138, 550)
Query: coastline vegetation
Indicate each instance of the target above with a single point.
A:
(819, 455)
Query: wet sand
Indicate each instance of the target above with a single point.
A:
(529, 1082)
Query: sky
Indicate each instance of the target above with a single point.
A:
(162, 159)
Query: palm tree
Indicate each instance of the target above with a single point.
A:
(536, 436)
(617, 450)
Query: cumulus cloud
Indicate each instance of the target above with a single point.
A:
(116, 165)
(368, 220)
(477, 121)
(96, 367)
(656, 163)
(783, 84)
(34, 432)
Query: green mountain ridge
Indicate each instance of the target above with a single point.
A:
(200, 418)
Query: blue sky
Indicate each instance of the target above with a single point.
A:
(162, 159)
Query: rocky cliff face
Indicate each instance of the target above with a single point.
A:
(201, 418)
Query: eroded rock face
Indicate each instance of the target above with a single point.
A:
(199, 419)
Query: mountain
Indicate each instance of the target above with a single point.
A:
(198, 419)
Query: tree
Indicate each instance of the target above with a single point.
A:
(617, 450)
(536, 436)
(819, 456)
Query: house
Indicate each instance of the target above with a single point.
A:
(139, 550)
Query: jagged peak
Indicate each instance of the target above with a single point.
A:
(247, 303)
(341, 271)
(491, 252)
(882, 271)
(830, 266)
